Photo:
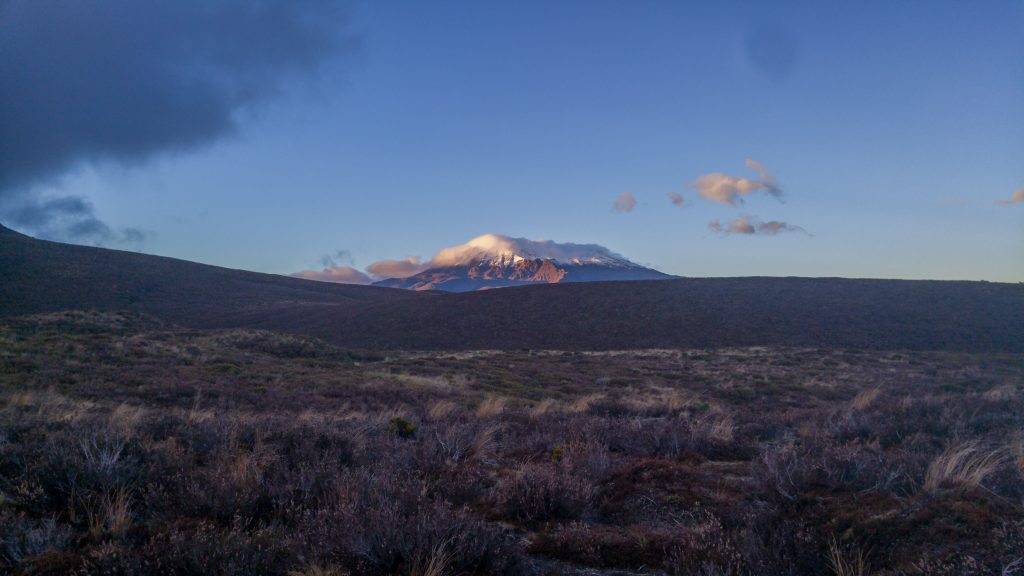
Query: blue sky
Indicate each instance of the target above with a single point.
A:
(893, 128)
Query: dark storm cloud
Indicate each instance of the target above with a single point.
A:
(124, 80)
(68, 218)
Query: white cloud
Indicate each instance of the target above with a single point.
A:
(624, 202)
(730, 190)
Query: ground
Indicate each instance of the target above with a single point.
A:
(128, 446)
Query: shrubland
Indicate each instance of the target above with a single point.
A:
(131, 447)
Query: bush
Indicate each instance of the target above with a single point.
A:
(542, 492)
(402, 427)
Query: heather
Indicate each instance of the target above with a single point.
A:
(129, 446)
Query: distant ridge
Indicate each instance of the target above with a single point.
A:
(40, 276)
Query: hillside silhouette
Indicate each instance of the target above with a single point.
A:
(41, 276)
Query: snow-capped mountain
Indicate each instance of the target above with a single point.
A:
(495, 261)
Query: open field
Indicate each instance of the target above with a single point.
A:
(128, 446)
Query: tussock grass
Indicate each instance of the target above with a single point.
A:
(962, 465)
(441, 409)
(112, 516)
(196, 413)
(436, 562)
(50, 404)
(491, 406)
(543, 407)
(125, 419)
(865, 399)
(721, 429)
(1002, 393)
(484, 445)
(583, 404)
(851, 561)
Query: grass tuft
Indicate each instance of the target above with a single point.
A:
(962, 465)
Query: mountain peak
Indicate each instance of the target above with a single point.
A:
(495, 261)
(497, 248)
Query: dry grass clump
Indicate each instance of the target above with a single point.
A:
(584, 403)
(112, 517)
(484, 446)
(491, 407)
(125, 419)
(851, 561)
(196, 413)
(720, 428)
(441, 409)
(865, 398)
(50, 404)
(435, 562)
(543, 407)
(1003, 393)
(962, 465)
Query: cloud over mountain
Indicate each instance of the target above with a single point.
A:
(731, 190)
(481, 248)
(494, 245)
(397, 268)
(338, 274)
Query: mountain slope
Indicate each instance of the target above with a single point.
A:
(42, 276)
(39, 276)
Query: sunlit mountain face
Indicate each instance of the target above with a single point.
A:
(496, 261)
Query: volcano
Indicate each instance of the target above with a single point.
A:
(495, 261)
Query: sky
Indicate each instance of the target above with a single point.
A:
(867, 139)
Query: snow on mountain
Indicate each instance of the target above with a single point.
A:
(494, 261)
(503, 250)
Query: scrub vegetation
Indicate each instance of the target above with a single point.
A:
(128, 446)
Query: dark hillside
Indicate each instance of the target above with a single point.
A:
(38, 276)
(42, 276)
(709, 312)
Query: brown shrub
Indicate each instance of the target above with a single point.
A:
(539, 492)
